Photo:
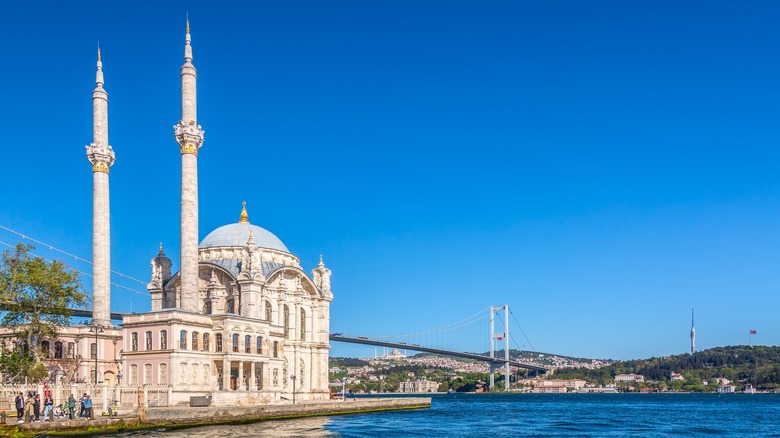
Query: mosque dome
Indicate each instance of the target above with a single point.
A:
(234, 235)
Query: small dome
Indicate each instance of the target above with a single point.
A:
(238, 234)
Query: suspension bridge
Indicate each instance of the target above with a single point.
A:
(460, 339)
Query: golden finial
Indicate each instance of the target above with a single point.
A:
(244, 219)
(188, 22)
(161, 247)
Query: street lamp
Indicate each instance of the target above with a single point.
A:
(293, 380)
(97, 329)
(76, 358)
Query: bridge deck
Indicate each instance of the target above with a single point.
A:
(496, 361)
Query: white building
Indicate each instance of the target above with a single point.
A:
(629, 378)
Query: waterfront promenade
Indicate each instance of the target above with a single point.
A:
(185, 416)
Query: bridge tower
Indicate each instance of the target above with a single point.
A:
(499, 337)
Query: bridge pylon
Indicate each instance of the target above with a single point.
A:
(499, 337)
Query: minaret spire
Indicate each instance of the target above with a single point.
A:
(102, 157)
(693, 334)
(189, 135)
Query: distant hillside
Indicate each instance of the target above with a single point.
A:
(758, 365)
(346, 362)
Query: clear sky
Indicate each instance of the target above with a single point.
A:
(601, 167)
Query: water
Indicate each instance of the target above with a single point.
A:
(512, 415)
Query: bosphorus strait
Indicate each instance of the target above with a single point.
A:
(511, 415)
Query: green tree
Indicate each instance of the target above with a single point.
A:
(36, 296)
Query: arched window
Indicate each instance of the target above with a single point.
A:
(57, 349)
(208, 308)
(235, 342)
(195, 338)
(133, 374)
(134, 341)
(162, 376)
(45, 348)
(205, 342)
(218, 340)
(93, 351)
(276, 349)
(247, 344)
(303, 325)
(148, 340)
(71, 349)
(164, 340)
(259, 345)
(231, 307)
(148, 374)
(268, 311)
(286, 321)
(183, 340)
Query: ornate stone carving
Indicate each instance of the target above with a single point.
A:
(189, 136)
(101, 157)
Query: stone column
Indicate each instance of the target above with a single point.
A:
(240, 386)
(189, 135)
(252, 379)
(225, 374)
(102, 157)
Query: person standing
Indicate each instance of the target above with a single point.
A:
(82, 408)
(37, 407)
(28, 407)
(88, 408)
(19, 408)
(48, 405)
(71, 407)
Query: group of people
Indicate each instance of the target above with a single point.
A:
(28, 409)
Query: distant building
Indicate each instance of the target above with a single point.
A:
(550, 389)
(418, 385)
(677, 376)
(726, 389)
(629, 378)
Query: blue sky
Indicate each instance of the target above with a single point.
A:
(601, 167)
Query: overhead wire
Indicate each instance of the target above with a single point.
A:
(78, 271)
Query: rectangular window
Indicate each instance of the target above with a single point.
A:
(71, 350)
(195, 338)
(276, 349)
(218, 340)
(247, 344)
(148, 340)
(259, 345)
(164, 340)
(235, 342)
(183, 340)
(58, 350)
(205, 342)
(93, 351)
(134, 342)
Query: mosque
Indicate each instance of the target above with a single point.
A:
(241, 322)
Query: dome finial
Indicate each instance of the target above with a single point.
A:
(244, 218)
(321, 264)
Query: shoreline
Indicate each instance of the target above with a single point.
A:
(187, 417)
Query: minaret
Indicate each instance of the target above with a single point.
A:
(101, 155)
(189, 135)
(693, 335)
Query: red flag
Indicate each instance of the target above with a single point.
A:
(752, 332)
(499, 338)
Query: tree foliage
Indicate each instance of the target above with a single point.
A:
(36, 296)
(756, 365)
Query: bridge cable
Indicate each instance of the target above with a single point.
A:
(522, 331)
